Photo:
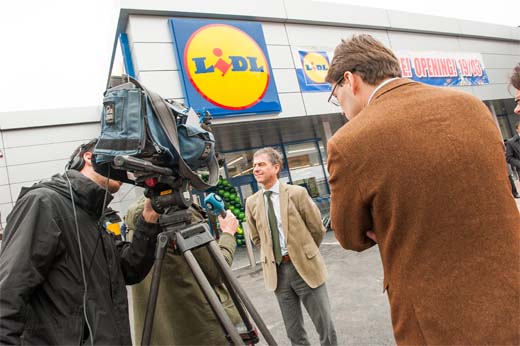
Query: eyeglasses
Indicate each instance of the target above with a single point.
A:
(332, 98)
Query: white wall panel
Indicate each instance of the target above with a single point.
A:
(275, 34)
(286, 80)
(323, 37)
(16, 188)
(422, 42)
(41, 153)
(3, 176)
(280, 57)
(45, 135)
(50, 117)
(292, 105)
(316, 103)
(35, 171)
(5, 195)
(165, 83)
(5, 209)
(498, 61)
(155, 56)
(148, 29)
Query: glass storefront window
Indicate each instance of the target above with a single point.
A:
(306, 170)
(324, 157)
(240, 163)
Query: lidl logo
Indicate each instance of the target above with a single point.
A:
(313, 70)
(315, 66)
(225, 66)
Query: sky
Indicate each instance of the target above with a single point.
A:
(56, 53)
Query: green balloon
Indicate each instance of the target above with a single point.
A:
(226, 195)
(240, 241)
(241, 215)
(237, 199)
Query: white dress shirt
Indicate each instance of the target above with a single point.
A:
(275, 198)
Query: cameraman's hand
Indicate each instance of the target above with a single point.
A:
(229, 224)
(149, 215)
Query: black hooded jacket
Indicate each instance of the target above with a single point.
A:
(41, 276)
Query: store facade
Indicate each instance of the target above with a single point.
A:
(287, 44)
(173, 49)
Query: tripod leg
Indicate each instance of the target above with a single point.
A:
(162, 243)
(212, 298)
(215, 253)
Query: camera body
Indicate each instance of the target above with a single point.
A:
(145, 141)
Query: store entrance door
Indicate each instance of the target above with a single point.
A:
(246, 185)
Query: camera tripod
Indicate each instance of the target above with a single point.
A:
(182, 236)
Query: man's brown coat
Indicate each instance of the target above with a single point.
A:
(424, 168)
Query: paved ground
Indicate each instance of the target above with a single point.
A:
(359, 306)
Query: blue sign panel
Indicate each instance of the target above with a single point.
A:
(225, 67)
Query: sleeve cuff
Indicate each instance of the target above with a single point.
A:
(148, 229)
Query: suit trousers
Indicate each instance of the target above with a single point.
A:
(290, 293)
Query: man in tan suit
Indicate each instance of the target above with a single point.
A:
(287, 226)
(421, 171)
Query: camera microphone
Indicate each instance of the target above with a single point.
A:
(215, 204)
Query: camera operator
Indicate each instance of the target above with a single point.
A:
(62, 275)
(183, 316)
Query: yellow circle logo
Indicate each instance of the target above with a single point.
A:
(315, 66)
(226, 66)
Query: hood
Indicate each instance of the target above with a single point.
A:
(88, 195)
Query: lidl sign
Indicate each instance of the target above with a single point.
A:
(225, 67)
(312, 69)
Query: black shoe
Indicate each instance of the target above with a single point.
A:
(516, 195)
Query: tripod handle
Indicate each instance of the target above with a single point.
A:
(215, 204)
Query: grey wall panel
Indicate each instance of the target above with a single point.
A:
(409, 21)
(326, 36)
(498, 61)
(487, 46)
(329, 12)
(491, 91)
(498, 76)
(482, 29)
(422, 42)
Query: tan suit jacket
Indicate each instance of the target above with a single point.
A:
(424, 168)
(303, 232)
